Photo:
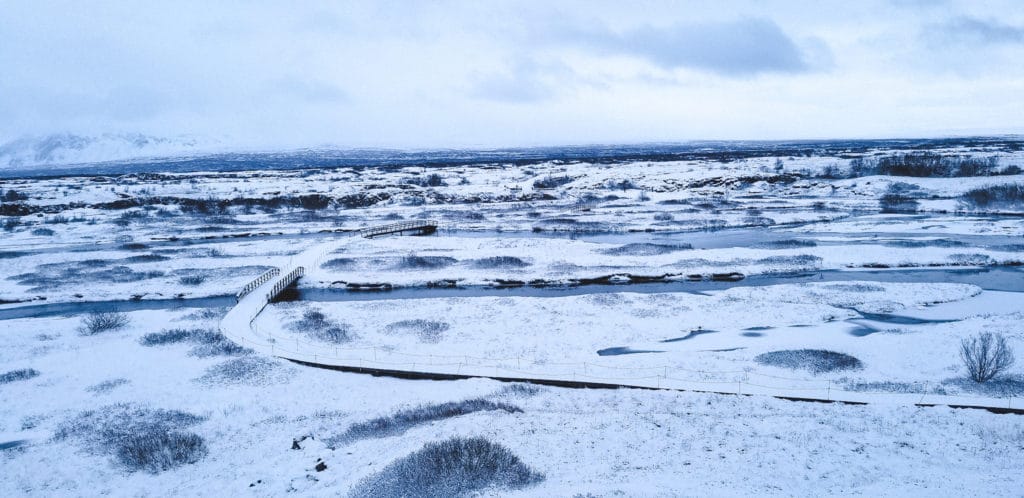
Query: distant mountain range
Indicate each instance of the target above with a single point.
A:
(67, 154)
(66, 148)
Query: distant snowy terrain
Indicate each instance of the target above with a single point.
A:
(808, 267)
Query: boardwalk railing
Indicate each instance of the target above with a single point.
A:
(405, 226)
(258, 281)
(282, 284)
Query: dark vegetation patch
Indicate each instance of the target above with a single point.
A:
(52, 276)
(99, 322)
(250, 370)
(896, 387)
(338, 264)
(414, 262)
(787, 244)
(42, 232)
(16, 375)
(455, 467)
(146, 258)
(646, 249)
(495, 262)
(192, 280)
(995, 196)
(138, 438)
(316, 325)
(1000, 387)
(930, 165)
(402, 421)
(900, 197)
(552, 181)
(426, 330)
(12, 254)
(206, 342)
(911, 244)
(107, 386)
(816, 361)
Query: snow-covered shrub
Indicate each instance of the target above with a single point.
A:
(43, 232)
(103, 321)
(518, 389)
(252, 370)
(976, 259)
(338, 264)
(899, 198)
(208, 342)
(316, 325)
(139, 438)
(425, 330)
(107, 386)
(147, 258)
(16, 375)
(816, 361)
(413, 261)
(499, 262)
(452, 468)
(399, 422)
(925, 243)
(663, 217)
(985, 356)
(787, 244)
(646, 249)
(192, 279)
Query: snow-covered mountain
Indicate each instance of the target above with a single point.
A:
(67, 148)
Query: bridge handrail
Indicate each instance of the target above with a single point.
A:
(258, 281)
(397, 227)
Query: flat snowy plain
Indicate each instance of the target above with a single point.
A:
(541, 263)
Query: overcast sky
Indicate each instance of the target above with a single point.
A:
(493, 73)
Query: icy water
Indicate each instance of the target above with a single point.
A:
(996, 279)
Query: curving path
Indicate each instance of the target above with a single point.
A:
(239, 325)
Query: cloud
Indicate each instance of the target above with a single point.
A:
(741, 48)
(970, 30)
(524, 81)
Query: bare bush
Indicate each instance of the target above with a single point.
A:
(985, 356)
(102, 321)
(450, 468)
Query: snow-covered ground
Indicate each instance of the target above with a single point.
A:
(189, 235)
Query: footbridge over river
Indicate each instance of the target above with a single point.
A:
(238, 325)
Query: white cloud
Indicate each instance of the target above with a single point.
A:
(458, 73)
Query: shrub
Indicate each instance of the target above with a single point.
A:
(138, 438)
(816, 361)
(192, 279)
(787, 244)
(207, 342)
(646, 249)
(551, 181)
(16, 375)
(338, 264)
(413, 261)
(317, 326)
(43, 232)
(995, 196)
(107, 386)
(452, 468)
(252, 370)
(102, 321)
(400, 422)
(499, 262)
(985, 356)
(426, 330)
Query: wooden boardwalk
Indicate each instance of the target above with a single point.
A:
(417, 227)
